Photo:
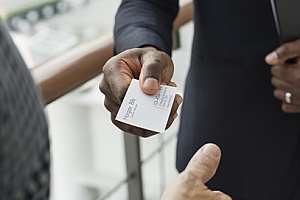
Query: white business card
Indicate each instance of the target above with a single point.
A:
(147, 111)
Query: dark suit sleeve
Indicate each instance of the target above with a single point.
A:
(145, 23)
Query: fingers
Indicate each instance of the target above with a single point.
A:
(286, 79)
(288, 73)
(113, 108)
(283, 53)
(117, 74)
(106, 90)
(293, 107)
(203, 167)
(173, 113)
(177, 102)
(157, 68)
(285, 75)
(189, 184)
(204, 163)
(151, 66)
(132, 129)
(290, 108)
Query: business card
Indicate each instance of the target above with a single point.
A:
(150, 112)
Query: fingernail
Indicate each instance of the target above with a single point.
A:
(179, 100)
(211, 150)
(151, 83)
(272, 57)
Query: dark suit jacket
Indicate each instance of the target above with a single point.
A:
(228, 97)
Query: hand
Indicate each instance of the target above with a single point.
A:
(151, 67)
(286, 77)
(190, 184)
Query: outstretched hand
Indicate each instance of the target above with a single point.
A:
(151, 67)
(190, 184)
(286, 76)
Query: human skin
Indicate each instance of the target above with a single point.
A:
(285, 76)
(190, 184)
(151, 67)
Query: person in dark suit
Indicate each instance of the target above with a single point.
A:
(240, 93)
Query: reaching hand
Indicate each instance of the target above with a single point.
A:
(286, 76)
(190, 184)
(151, 67)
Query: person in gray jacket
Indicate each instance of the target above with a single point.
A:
(24, 142)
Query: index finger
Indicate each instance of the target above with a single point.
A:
(120, 70)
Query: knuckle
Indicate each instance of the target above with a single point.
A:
(283, 50)
(273, 81)
(102, 86)
(273, 70)
(297, 76)
(276, 93)
(158, 58)
(279, 84)
(106, 104)
(286, 108)
(153, 67)
(107, 65)
(110, 65)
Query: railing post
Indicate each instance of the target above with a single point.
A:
(133, 165)
(175, 40)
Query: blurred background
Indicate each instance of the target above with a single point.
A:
(88, 152)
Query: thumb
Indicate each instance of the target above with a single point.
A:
(286, 51)
(157, 69)
(204, 163)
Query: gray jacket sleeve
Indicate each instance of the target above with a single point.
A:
(145, 23)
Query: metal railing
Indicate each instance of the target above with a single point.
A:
(66, 72)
